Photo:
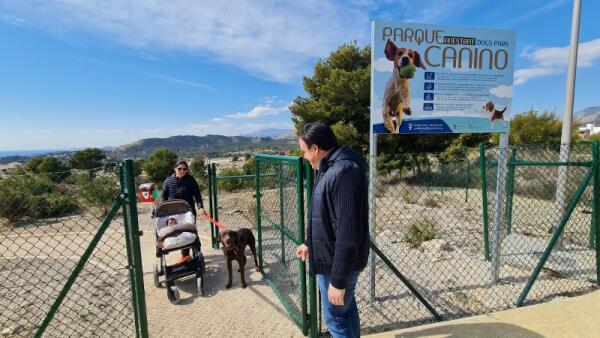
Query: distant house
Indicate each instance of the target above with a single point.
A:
(589, 129)
(7, 168)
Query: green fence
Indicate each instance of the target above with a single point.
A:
(443, 246)
(69, 254)
(281, 183)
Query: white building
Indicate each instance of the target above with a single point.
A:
(589, 129)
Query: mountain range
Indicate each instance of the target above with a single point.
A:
(588, 115)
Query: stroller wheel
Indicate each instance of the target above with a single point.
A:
(173, 295)
(156, 276)
(200, 286)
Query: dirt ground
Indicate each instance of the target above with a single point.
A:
(252, 312)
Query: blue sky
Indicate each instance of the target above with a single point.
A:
(80, 73)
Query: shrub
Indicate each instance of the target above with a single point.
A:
(100, 193)
(234, 184)
(419, 231)
(409, 198)
(23, 197)
(430, 202)
(14, 203)
(52, 205)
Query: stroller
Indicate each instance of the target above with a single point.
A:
(180, 234)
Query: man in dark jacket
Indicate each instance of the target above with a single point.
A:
(337, 243)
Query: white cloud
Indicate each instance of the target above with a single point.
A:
(260, 110)
(536, 12)
(384, 65)
(274, 40)
(183, 82)
(502, 91)
(554, 60)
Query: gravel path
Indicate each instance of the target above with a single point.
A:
(253, 312)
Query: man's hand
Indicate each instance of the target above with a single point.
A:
(302, 252)
(335, 295)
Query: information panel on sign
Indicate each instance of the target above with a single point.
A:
(428, 79)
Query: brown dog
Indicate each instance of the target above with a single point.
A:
(234, 247)
(396, 98)
(496, 114)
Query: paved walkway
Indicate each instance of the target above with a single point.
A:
(565, 317)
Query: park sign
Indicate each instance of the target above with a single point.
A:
(429, 79)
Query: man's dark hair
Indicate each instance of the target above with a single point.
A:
(318, 134)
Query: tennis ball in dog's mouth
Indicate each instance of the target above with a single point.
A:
(408, 71)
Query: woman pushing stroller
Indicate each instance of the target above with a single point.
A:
(182, 185)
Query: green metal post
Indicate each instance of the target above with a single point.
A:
(404, 280)
(258, 213)
(281, 212)
(467, 180)
(596, 201)
(215, 203)
(312, 283)
(130, 264)
(442, 169)
(482, 173)
(510, 190)
(211, 212)
(131, 203)
(556, 235)
(79, 267)
(428, 176)
(300, 240)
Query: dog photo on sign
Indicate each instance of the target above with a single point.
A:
(396, 98)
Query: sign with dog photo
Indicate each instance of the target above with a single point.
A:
(435, 79)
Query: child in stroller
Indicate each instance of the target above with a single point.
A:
(175, 229)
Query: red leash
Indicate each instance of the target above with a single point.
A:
(215, 222)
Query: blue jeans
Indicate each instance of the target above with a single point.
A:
(342, 321)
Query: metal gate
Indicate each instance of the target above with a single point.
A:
(69, 261)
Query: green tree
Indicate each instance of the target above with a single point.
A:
(532, 127)
(138, 166)
(54, 169)
(198, 170)
(160, 164)
(32, 165)
(338, 94)
(89, 159)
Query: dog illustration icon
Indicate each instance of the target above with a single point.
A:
(495, 114)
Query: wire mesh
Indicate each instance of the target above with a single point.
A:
(236, 202)
(47, 220)
(429, 223)
(280, 234)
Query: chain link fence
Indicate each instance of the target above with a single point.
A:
(47, 222)
(464, 251)
(280, 191)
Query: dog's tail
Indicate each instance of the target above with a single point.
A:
(503, 110)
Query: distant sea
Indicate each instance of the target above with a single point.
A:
(32, 152)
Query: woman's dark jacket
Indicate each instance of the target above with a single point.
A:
(185, 188)
(338, 230)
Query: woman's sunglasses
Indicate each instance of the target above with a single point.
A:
(180, 168)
